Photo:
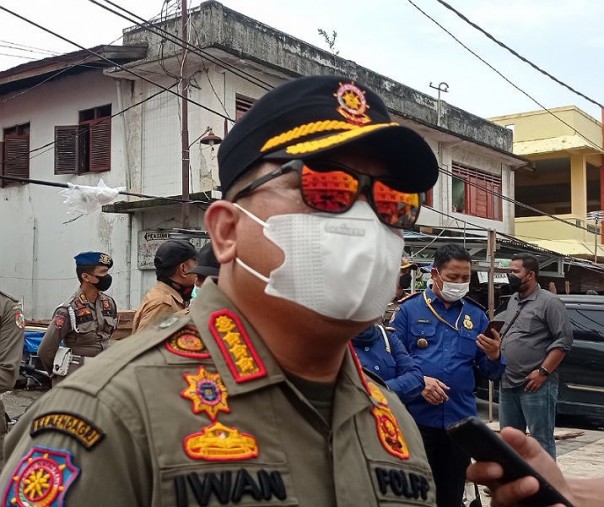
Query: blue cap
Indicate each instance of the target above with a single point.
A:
(93, 259)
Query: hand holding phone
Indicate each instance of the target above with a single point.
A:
(483, 444)
(497, 325)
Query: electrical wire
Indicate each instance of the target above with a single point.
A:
(505, 78)
(113, 63)
(226, 117)
(56, 184)
(49, 145)
(513, 201)
(519, 56)
(183, 44)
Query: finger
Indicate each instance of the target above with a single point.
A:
(526, 446)
(514, 492)
(484, 472)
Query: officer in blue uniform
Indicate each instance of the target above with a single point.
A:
(443, 333)
(385, 356)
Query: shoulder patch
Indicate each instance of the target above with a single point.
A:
(42, 478)
(79, 428)
(239, 353)
(58, 321)
(187, 342)
(19, 317)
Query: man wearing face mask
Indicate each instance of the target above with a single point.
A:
(442, 332)
(85, 322)
(536, 336)
(174, 261)
(256, 396)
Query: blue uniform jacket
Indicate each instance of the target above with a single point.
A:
(450, 355)
(396, 368)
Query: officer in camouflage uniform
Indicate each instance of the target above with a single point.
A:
(86, 321)
(12, 324)
(255, 397)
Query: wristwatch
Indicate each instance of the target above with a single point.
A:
(543, 371)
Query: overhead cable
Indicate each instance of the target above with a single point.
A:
(519, 56)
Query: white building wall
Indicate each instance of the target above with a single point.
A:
(38, 239)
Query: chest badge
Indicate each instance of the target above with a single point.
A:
(467, 322)
(41, 479)
(187, 343)
(207, 392)
(218, 442)
(421, 343)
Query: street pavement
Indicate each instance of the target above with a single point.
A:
(579, 447)
(579, 443)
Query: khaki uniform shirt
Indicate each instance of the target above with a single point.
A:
(82, 326)
(196, 411)
(159, 301)
(12, 324)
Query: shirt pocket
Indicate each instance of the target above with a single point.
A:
(420, 331)
(467, 343)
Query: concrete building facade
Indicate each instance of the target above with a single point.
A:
(566, 180)
(232, 61)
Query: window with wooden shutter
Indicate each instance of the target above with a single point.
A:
(66, 149)
(100, 146)
(85, 147)
(242, 106)
(15, 153)
(474, 193)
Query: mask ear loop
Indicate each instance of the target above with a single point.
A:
(252, 216)
(249, 269)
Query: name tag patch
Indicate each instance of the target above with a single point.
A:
(400, 483)
(230, 486)
(80, 429)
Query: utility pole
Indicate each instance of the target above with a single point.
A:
(442, 87)
(492, 248)
(184, 89)
(597, 217)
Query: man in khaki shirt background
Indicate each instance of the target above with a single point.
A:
(12, 326)
(85, 322)
(173, 261)
(256, 396)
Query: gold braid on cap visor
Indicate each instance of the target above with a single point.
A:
(351, 131)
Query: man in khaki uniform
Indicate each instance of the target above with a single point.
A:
(12, 324)
(256, 397)
(173, 261)
(85, 322)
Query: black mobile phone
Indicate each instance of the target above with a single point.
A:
(483, 444)
(494, 324)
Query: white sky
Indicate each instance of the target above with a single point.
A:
(388, 36)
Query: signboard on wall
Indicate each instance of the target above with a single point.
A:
(149, 241)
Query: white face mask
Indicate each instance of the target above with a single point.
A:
(342, 266)
(452, 291)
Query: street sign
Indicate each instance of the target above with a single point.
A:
(149, 241)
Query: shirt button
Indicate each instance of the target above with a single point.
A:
(366, 349)
(377, 367)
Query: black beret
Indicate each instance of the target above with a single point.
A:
(207, 263)
(314, 115)
(173, 252)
